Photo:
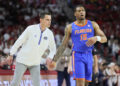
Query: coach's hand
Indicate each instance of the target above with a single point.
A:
(9, 60)
(91, 41)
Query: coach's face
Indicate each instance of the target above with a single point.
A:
(80, 13)
(46, 21)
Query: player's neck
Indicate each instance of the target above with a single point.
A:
(81, 22)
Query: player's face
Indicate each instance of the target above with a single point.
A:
(80, 13)
(46, 20)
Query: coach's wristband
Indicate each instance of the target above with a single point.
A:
(98, 38)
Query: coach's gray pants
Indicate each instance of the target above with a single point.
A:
(19, 71)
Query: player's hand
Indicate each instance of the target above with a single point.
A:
(69, 70)
(91, 41)
(51, 66)
(9, 60)
(95, 69)
(48, 61)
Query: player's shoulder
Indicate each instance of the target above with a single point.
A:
(93, 22)
(69, 26)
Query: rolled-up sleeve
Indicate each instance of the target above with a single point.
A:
(19, 42)
(52, 46)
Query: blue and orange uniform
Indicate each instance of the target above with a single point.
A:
(82, 60)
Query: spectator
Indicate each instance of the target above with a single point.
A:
(62, 68)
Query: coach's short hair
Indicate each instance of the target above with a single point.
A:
(42, 15)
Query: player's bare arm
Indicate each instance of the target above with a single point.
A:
(64, 42)
(99, 35)
(95, 66)
(99, 32)
(70, 65)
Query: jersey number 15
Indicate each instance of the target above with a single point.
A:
(83, 37)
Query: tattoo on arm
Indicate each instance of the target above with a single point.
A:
(63, 45)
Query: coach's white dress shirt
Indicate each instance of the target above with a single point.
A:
(32, 44)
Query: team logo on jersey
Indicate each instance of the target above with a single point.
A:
(88, 25)
(45, 37)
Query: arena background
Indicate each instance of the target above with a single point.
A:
(16, 15)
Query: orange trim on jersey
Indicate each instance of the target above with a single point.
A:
(87, 80)
(73, 60)
(72, 45)
(74, 78)
(79, 78)
(83, 24)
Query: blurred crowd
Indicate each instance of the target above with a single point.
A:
(15, 15)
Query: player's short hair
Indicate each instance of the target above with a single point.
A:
(42, 15)
(78, 6)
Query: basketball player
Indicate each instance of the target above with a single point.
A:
(34, 41)
(84, 34)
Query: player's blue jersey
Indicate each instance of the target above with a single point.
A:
(79, 36)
